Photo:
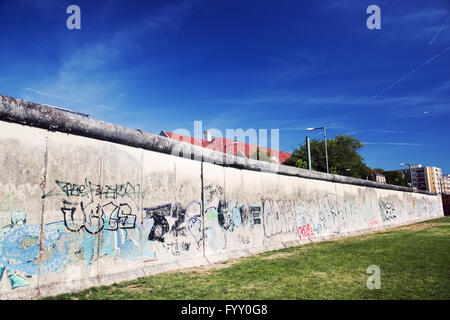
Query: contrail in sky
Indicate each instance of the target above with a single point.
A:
(412, 72)
(437, 33)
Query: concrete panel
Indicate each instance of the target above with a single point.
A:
(172, 222)
(233, 218)
(278, 210)
(120, 256)
(73, 178)
(93, 201)
(217, 216)
(253, 199)
(22, 178)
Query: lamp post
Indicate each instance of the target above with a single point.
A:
(410, 173)
(309, 153)
(225, 147)
(325, 138)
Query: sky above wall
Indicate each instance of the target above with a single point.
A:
(284, 65)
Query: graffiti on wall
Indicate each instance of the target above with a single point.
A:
(328, 215)
(371, 222)
(212, 192)
(20, 247)
(322, 215)
(7, 201)
(174, 227)
(94, 219)
(387, 211)
(231, 215)
(229, 220)
(305, 232)
(92, 190)
(279, 217)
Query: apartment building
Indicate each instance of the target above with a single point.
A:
(434, 179)
(446, 183)
(425, 178)
(417, 175)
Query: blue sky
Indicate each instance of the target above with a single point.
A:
(284, 65)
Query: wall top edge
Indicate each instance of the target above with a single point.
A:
(56, 119)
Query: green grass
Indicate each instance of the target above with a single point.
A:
(414, 262)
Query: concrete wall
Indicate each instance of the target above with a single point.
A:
(77, 212)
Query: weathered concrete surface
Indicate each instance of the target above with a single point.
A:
(88, 203)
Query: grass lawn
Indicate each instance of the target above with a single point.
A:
(414, 262)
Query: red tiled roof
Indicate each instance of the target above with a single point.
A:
(376, 172)
(219, 143)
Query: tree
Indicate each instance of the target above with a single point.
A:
(261, 155)
(394, 177)
(343, 157)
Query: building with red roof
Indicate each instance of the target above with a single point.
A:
(229, 146)
(378, 176)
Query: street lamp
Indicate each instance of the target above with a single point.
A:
(309, 153)
(410, 173)
(231, 144)
(325, 138)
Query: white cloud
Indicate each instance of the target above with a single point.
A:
(395, 143)
(88, 79)
(396, 132)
